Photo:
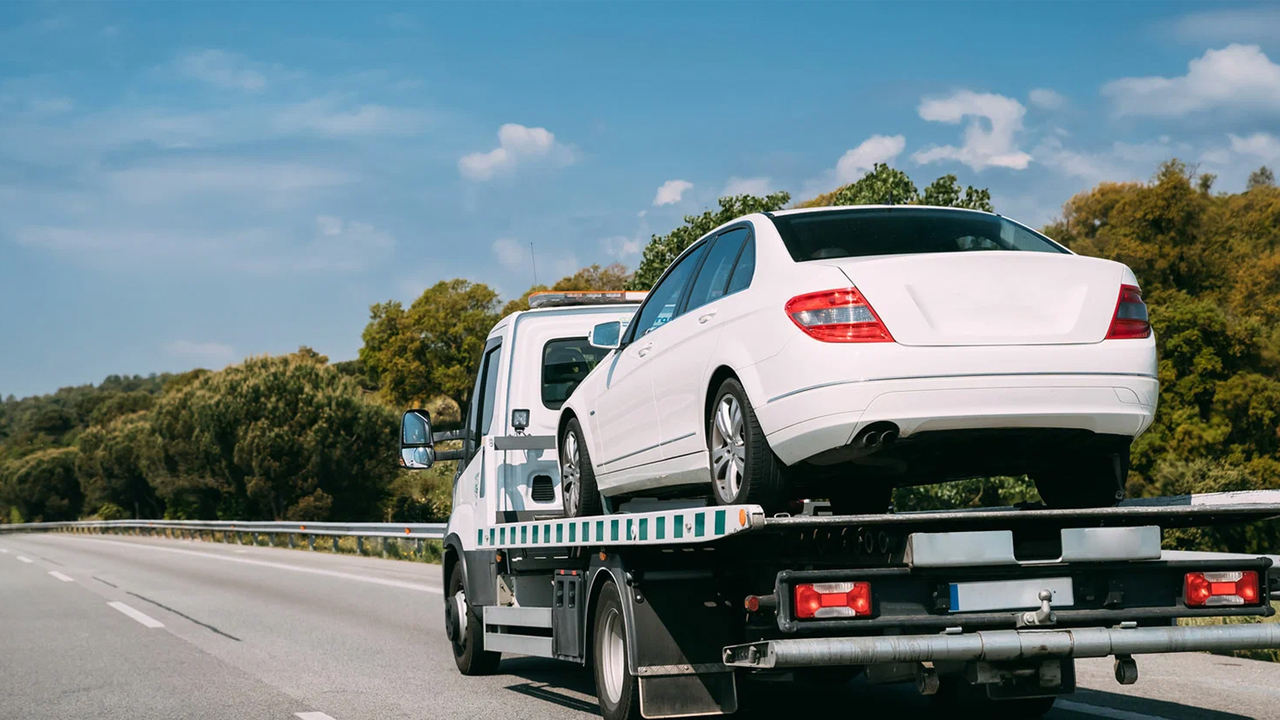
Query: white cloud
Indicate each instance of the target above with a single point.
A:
(1046, 99)
(758, 186)
(1230, 25)
(510, 254)
(1118, 163)
(1239, 77)
(195, 180)
(210, 354)
(622, 247)
(989, 136)
(328, 225)
(860, 160)
(329, 117)
(517, 144)
(1264, 146)
(221, 69)
(671, 192)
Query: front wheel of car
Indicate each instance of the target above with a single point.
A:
(743, 468)
(577, 478)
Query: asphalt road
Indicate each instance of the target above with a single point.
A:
(137, 628)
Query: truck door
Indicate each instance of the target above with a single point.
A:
(471, 485)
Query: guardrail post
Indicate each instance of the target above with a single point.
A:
(384, 547)
(359, 545)
(422, 550)
(291, 541)
(271, 539)
(311, 542)
(335, 543)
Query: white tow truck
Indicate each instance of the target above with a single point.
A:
(676, 605)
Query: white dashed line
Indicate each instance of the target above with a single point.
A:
(1098, 710)
(60, 576)
(312, 716)
(141, 617)
(4, 550)
(24, 559)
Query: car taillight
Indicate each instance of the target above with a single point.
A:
(837, 316)
(1130, 320)
(834, 599)
(1209, 589)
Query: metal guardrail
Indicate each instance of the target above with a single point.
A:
(238, 529)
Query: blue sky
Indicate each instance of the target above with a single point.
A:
(187, 184)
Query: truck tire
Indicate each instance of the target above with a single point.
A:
(744, 469)
(1095, 478)
(617, 689)
(466, 630)
(578, 489)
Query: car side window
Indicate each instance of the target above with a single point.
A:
(663, 302)
(745, 268)
(713, 278)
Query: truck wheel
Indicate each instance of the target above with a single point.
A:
(617, 689)
(466, 630)
(1094, 479)
(578, 488)
(743, 468)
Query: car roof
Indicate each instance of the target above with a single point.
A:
(832, 208)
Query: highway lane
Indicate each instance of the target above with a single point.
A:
(253, 632)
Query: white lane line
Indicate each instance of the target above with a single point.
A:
(4, 550)
(60, 576)
(403, 585)
(312, 716)
(141, 617)
(24, 559)
(1098, 710)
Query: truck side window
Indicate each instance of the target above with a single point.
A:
(489, 389)
(565, 362)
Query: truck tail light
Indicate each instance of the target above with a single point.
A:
(834, 599)
(1130, 320)
(1210, 589)
(842, 316)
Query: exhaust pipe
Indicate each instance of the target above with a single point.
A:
(875, 436)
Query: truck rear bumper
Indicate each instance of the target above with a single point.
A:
(998, 645)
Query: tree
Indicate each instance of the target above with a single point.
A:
(882, 186)
(115, 460)
(1262, 177)
(433, 347)
(610, 277)
(662, 250)
(41, 487)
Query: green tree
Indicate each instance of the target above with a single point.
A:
(1262, 177)
(614, 276)
(41, 487)
(662, 250)
(432, 348)
(115, 460)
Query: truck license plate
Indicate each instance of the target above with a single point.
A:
(1010, 594)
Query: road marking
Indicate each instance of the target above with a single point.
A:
(4, 550)
(312, 716)
(403, 585)
(1100, 711)
(141, 617)
(24, 559)
(60, 576)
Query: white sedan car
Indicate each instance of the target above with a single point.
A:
(841, 352)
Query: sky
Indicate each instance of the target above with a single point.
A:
(189, 184)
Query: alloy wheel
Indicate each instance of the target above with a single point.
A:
(728, 448)
(570, 474)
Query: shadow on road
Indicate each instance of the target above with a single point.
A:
(573, 688)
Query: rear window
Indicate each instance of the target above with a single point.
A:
(565, 363)
(904, 230)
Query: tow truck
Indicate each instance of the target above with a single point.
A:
(678, 605)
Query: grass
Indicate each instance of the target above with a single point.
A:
(1270, 655)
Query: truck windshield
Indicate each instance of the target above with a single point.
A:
(902, 230)
(565, 362)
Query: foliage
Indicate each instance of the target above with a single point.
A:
(889, 186)
(1262, 177)
(614, 276)
(113, 466)
(662, 250)
(42, 486)
(432, 347)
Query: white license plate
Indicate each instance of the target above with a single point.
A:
(1010, 594)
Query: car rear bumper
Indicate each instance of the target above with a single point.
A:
(814, 419)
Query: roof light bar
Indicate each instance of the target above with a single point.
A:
(585, 297)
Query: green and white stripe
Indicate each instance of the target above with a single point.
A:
(666, 527)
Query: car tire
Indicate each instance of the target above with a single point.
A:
(578, 491)
(1095, 478)
(468, 638)
(744, 469)
(616, 688)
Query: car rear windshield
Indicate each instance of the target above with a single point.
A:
(904, 230)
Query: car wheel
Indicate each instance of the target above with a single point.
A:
(743, 468)
(616, 688)
(578, 488)
(1093, 479)
(466, 630)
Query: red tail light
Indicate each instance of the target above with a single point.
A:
(837, 316)
(835, 599)
(1221, 588)
(1130, 321)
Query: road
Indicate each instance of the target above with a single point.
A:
(137, 628)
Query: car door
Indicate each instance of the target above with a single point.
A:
(625, 413)
(683, 350)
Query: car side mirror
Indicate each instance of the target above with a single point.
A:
(606, 335)
(417, 449)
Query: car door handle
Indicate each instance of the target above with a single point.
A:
(706, 317)
(644, 350)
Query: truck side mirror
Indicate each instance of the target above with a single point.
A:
(606, 335)
(417, 449)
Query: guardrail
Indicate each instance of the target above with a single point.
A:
(238, 529)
